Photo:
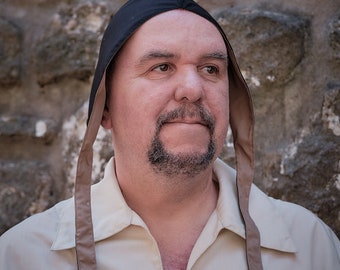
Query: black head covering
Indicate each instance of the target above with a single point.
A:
(125, 22)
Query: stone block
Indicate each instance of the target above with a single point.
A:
(334, 38)
(309, 166)
(73, 131)
(331, 109)
(269, 45)
(26, 188)
(10, 53)
(69, 46)
(29, 127)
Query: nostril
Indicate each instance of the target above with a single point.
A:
(189, 88)
(191, 94)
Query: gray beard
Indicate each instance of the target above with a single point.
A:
(191, 164)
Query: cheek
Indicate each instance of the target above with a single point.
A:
(222, 129)
(134, 118)
(122, 112)
(220, 105)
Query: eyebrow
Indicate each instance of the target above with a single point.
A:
(217, 56)
(158, 54)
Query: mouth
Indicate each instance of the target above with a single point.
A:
(188, 122)
(188, 116)
(195, 127)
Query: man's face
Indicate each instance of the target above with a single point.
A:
(168, 104)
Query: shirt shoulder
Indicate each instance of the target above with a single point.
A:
(285, 228)
(31, 239)
(42, 222)
(317, 246)
(302, 221)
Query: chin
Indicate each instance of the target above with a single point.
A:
(173, 163)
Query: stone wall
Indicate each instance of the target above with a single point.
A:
(289, 52)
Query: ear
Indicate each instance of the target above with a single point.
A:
(106, 119)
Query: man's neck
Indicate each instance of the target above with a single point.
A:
(174, 209)
(155, 195)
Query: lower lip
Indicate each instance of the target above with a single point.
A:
(184, 124)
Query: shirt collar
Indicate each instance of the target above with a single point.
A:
(109, 207)
(273, 231)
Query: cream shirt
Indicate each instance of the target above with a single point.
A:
(292, 238)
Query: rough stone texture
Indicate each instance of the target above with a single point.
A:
(23, 181)
(310, 166)
(23, 126)
(69, 46)
(265, 35)
(287, 50)
(10, 51)
(73, 131)
(334, 38)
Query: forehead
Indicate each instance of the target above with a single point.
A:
(178, 30)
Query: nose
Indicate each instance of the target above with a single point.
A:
(189, 85)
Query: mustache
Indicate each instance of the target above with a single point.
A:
(196, 111)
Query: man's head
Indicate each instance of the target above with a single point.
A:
(168, 94)
(159, 131)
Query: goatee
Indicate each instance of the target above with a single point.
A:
(188, 164)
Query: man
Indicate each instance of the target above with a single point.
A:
(166, 85)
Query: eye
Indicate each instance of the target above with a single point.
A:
(162, 68)
(159, 71)
(211, 70)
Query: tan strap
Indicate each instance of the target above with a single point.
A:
(85, 245)
(242, 125)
